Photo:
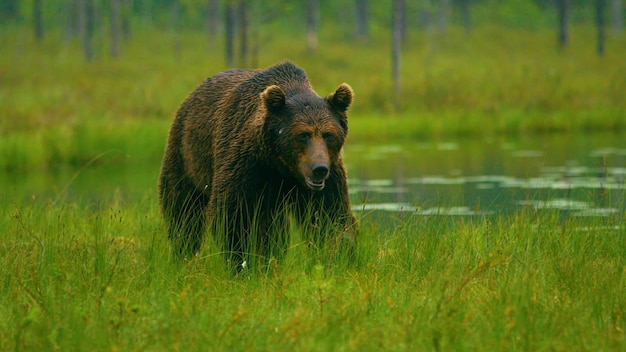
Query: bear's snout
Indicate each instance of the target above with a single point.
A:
(316, 177)
(320, 171)
(314, 164)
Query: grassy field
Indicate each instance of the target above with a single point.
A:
(102, 279)
(85, 275)
(58, 108)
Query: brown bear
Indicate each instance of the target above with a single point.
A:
(247, 151)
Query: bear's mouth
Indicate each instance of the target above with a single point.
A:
(316, 185)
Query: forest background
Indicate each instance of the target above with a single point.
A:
(451, 66)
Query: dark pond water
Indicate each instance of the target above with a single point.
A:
(583, 175)
(580, 176)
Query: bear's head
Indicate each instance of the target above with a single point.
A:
(306, 131)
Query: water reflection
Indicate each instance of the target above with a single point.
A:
(582, 176)
(405, 207)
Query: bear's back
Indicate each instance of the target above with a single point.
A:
(232, 88)
(289, 77)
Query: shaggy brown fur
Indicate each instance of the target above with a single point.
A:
(249, 147)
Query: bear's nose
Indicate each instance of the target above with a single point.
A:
(320, 171)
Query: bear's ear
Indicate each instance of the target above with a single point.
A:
(274, 98)
(342, 98)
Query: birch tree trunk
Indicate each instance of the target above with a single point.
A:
(562, 11)
(38, 20)
(229, 30)
(212, 11)
(243, 33)
(396, 40)
(362, 19)
(86, 24)
(116, 27)
(311, 24)
(617, 15)
(600, 24)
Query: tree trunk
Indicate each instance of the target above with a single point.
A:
(466, 15)
(311, 24)
(562, 10)
(600, 23)
(362, 19)
(617, 16)
(38, 20)
(396, 40)
(229, 29)
(212, 10)
(444, 10)
(243, 33)
(71, 11)
(127, 10)
(401, 18)
(254, 49)
(116, 27)
(176, 24)
(86, 20)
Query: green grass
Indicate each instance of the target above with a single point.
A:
(83, 143)
(56, 108)
(75, 278)
(496, 72)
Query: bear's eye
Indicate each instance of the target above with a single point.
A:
(329, 137)
(303, 137)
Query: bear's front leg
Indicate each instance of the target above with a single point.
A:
(184, 212)
(328, 222)
(253, 236)
(231, 235)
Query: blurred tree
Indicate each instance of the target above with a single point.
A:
(464, 6)
(86, 21)
(212, 17)
(562, 11)
(362, 19)
(617, 15)
(229, 30)
(38, 20)
(600, 24)
(370, 18)
(116, 27)
(255, 22)
(176, 20)
(401, 14)
(243, 33)
(72, 19)
(312, 17)
(444, 9)
(127, 7)
(396, 30)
